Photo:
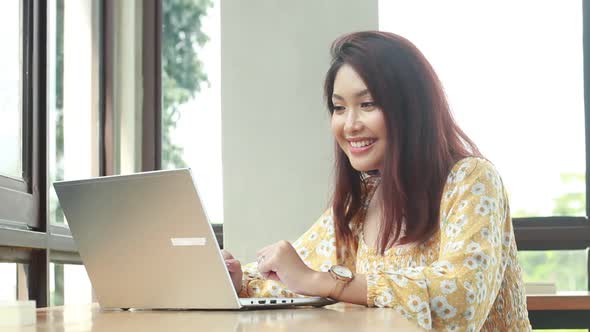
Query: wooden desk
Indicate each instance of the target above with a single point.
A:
(579, 300)
(562, 310)
(337, 317)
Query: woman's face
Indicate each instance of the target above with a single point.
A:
(357, 124)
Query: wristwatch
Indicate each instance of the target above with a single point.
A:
(342, 275)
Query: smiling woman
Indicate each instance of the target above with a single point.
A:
(420, 221)
(409, 120)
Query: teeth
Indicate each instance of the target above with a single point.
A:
(361, 144)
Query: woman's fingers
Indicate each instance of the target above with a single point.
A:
(265, 255)
(266, 260)
(266, 266)
(273, 276)
(226, 254)
(265, 263)
(233, 265)
(264, 251)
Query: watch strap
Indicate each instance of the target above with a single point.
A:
(341, 282)
(338, 288)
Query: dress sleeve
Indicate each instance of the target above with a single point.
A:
(457, 291)
(316, 247)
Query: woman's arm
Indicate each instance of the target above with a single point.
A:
(322, 284)
(315, 248)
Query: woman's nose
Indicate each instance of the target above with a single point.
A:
(352, 122)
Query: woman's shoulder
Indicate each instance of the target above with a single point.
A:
(471, 169)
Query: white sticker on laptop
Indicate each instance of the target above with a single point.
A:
(188, 241)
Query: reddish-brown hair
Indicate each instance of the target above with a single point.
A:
(423, 140)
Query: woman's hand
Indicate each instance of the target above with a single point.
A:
(281, 262)
(235, 269)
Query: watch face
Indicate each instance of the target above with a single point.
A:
(342, 271)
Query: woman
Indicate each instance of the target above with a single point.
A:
(419, 221)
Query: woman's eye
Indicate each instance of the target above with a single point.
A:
(368, 104)
(338, 108)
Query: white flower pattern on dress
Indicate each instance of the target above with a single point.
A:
(478, 189)
(416, 304)
(454, 246)
(326, 266)
(303, 253)
(453, 327)
(398, 279)
(469, 313)
(403, 312)
(442, 308)
(325, 248)
(424, 320)
(384, 299)
(462, 205)
(448, 286)
(473, 247)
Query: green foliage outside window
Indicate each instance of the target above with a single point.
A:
(182, 71)
(568, 268)
(57, 174)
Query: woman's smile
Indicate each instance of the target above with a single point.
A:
(359, 146)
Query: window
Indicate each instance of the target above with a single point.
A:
(14, 173)
(524, 81)
(72, 101)
(53, 110)
(10, 90)
(191, 110)
(566, 268)
(55, 66)
(69, 284)
(73, 124)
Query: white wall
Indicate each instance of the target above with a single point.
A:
(276, 143)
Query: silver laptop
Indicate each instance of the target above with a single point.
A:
(146, 243)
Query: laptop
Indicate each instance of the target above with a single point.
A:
(146, 243)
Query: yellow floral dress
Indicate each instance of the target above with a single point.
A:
(466, 277)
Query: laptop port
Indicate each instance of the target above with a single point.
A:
(273, 301)
(291, 301)
(284, 301)
(261, 301)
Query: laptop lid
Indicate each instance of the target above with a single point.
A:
(146, 241)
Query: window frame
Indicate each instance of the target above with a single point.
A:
(17, 191)
(33, 240)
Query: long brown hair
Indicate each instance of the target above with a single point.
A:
(423, 140)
